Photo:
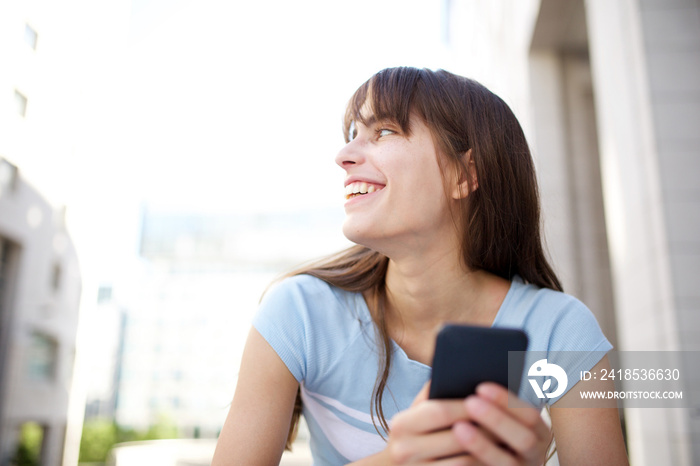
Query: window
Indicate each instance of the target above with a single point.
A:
(41, 357)
(56, 277)
(30, 444)
(8, 176)
(5, 250)
(30, 36)
(104, 294)
(20, 103)
(4, 254)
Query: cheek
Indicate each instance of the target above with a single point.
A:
(433, 202)
(426, 183)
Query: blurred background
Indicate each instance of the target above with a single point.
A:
(162, 161)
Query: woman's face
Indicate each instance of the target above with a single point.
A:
(395, 196)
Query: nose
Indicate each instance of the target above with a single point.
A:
(351, 154)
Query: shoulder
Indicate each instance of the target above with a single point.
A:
(296, 287)
(560, 328)
(553, 320)
(299, 285)
(309, 323)
(534, 299)
(307, 294)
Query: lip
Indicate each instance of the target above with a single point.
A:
(361, 179)
(364, 197)
(354, 179)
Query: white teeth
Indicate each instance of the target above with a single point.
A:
(360, 187)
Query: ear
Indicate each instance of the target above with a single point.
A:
(464, 179)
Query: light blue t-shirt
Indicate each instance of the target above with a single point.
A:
(327, 340)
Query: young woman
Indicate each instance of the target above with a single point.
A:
(442, 203)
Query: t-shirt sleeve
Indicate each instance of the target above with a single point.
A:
(282, 320)
(576, 343)
(562, 332)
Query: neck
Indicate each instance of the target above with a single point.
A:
(422, 296)
(425, 293)
(427, 285)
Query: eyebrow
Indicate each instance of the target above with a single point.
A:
(370, 120)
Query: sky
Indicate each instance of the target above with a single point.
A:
(229, 107)
(242, 101)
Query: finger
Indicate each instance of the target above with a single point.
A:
(422, 395)
(429, 416)
(462, 460)
(426, 447)
(516, 436)
(477, 444)
(519, 409)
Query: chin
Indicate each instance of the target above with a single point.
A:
(363, 237)
(353, 234)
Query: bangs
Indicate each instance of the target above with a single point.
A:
(388, 95)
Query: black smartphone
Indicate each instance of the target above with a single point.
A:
(466, 356)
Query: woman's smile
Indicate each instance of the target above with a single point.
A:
(358, 188)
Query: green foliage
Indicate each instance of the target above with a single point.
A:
(100, 435)
(98, 438)
(163, 429)
(29, 448)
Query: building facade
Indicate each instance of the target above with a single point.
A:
(608, 94)
(43, 45)
(39, 298)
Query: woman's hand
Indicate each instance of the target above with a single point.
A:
(441, 432)
(510, 432)
(422, 434)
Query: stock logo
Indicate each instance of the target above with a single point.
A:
(542, 368)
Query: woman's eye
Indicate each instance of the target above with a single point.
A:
(352, 131)
(385, 132)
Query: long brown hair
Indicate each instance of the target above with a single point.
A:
(500, 218)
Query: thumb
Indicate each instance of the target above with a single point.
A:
(422, 394)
